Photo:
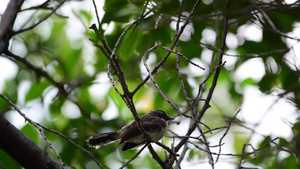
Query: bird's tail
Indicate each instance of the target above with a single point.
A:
(102, 139)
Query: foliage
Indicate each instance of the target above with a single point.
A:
(186, 45)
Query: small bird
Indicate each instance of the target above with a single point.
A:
(154, 124)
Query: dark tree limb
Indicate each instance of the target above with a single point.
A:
(22, 149)
(35, 125)
(156, 157)
(7, 22)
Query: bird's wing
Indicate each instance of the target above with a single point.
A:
(130, 146)
(132, 132)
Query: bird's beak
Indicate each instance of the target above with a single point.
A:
(170, 118)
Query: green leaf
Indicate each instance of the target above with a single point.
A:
(248, 81)
(291, 162)
(296, 127)
(240, 139)
(283, 142)
(36, 90)
(4, 106)
(264, 155)
(7, 161)
(288, 79)
(117, 11)
(31, 132)
(266, 83)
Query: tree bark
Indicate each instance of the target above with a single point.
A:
(22, 149)
(7, 22)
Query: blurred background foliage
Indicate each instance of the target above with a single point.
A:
(77, 98)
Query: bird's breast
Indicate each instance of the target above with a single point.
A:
(156, 136)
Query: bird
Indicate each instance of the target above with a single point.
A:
(154, 124)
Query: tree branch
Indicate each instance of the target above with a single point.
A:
(7, 22)
(135, 156)
(211, 90)
(42, 20)
(21, 148)
(35, 125)
(156, 157)
(73, 143)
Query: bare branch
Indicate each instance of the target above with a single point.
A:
(171, 48)
(156, 157)
(214, 83)
(153, 81)
(180, 54)
(23, 150)
(41, 6)
(127, 95)
(71, 142)
(135, 156)
(38, 72)
(273, 27)
(42, 20)
(35, 125)
(7, 22)
(225, 133)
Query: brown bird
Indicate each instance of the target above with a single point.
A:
(154, 124)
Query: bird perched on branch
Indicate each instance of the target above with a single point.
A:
(153, 123)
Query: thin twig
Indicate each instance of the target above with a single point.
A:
(38, 71)
(249, 55)
(135, 156)
(205, 142)
(171, 159)
(36, 126)
(177, 61)
(182, 154)
(103, 40)
(127, 95)
(171, 48)
(42, 20)
(182, 55)
(169, 151)
(225, 133)
(71, 142)
(214, 83)
(272, 25)
(96, 11)
(152, 79)
(41, 6)
(243, 155)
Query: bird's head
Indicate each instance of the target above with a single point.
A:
(160, 114)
